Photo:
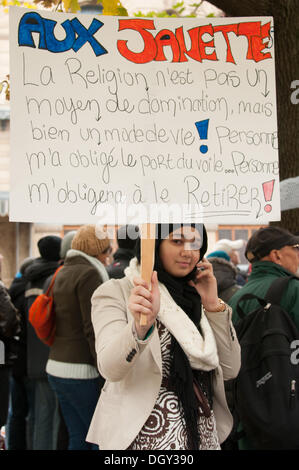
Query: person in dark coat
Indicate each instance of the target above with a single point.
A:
(274, 253)
(126, 240)
(18, 422)
(43, 402)
(232, 249)
(9, 329)
(226, 274)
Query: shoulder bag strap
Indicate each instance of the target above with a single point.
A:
(49, 290)
(248, 296)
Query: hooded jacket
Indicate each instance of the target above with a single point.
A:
(226, 274)
(37, 352)
(262, 276)
(17, 294)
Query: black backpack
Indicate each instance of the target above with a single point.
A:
(266, 390)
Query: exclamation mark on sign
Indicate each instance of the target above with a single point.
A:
(202, 129)
(268, 188)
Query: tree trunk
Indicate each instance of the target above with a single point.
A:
(286, 31)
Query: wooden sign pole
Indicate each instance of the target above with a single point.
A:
(147, 257)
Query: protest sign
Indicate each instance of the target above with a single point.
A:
(141, 120)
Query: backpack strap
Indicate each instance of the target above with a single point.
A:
(275, 292)
(248, 296)
(273, 295)
(49, 290)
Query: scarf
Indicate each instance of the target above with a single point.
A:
(95, 262)
(192, 340)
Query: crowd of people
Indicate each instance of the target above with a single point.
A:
(111, 381)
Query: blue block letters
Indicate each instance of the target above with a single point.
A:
(76, 35)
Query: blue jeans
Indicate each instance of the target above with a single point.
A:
(35, 400)
(19, 429)
(78, 399)
(46, 416)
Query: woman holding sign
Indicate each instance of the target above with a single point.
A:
(164, 385)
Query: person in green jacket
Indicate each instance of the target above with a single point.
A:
(273, 252)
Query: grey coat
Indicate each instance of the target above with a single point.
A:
(226, 275)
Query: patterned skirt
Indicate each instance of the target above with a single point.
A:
(165, 429)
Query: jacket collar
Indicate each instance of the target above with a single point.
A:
(95, 262)
(262, 268)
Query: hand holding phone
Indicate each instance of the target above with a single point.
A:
(205, 283)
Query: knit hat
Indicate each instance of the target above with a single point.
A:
(264, 240)
(49, 247)
(66, 243)
(91, 240)
(219, 254)
(229, 245)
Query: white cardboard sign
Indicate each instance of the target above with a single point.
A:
(133, 120)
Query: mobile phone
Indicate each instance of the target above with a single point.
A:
(201, 268)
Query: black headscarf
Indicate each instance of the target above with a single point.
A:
(186, 296)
